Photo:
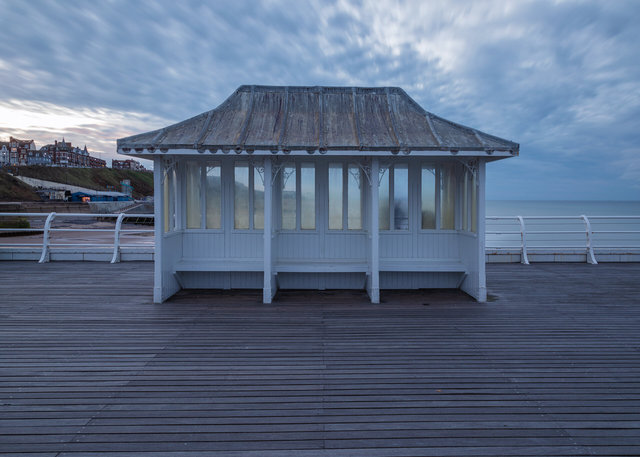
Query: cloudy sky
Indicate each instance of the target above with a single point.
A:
(560, 78)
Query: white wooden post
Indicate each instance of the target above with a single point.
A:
(116, 239)
(268, 290)
(46, 238)
(480, 195)
(158, 210)
(374, 274)
(180, 193)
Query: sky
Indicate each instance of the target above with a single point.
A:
(561, 78)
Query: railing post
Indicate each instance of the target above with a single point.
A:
(591, 258)
(524, 258)
(46, 256)
(116, 239)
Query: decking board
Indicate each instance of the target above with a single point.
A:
(549, 366)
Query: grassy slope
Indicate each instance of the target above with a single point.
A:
(92, 178)
(13, 190)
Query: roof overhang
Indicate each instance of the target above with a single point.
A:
(354, 121)
(150, 153)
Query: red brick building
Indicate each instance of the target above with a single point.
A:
(20, 151)
(128, 164)
(63, 154)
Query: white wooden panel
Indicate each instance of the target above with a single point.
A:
(202, 245)
(346, 245)
(247, 244)
(321, 281)
(298, 245)
(438, 245)
(402, 280)
(429, 245)
(222, 280)
(396, 244)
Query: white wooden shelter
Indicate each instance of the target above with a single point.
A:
(319, 188)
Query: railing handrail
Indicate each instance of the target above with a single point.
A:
(523, 230)
(46, 232)
(588, 231)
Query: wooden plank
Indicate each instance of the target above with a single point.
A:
(89, 364)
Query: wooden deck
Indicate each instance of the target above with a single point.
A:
(89, 365)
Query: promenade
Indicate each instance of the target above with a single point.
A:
(550, 365)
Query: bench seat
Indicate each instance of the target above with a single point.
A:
(321, 265)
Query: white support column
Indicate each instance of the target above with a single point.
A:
(373, 285)
(180, 192)
(269, 288)
(482, 276)
(158, 210)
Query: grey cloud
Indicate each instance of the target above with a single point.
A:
(559, 77)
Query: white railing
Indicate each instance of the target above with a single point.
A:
(525, 236)
(563, 235)
(47, 244)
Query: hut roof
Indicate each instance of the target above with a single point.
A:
(286, 118)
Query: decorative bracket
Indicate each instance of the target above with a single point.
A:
(471, 165)
(365, 166)
(169, 164)
(383, 169)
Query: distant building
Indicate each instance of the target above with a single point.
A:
(4, 153)
(94, 162)
(128, 164)
(19, 151)
(63, 154)
(59, 154)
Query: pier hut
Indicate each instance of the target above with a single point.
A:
(319, 188)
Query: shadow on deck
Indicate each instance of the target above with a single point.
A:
(551, 366)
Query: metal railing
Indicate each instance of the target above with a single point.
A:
(521, 235)
(47, 244)
(563, 235)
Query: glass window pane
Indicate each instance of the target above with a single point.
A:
(447, 197)
(241, 195)
(428, 198)
(383, 201)
(400, 197)
(258, 199)
(308, 196)
(474, 205)
(194, 207)
(213, 197)
(335, 196)
(289, 197)
(354, 194)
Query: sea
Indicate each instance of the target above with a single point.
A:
(562, 208)
(568, 232)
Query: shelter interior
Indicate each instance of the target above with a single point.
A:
(426, 219)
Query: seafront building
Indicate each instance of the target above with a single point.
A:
(17, 152)
(319, 188)
(128, 164)
(63, 154)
